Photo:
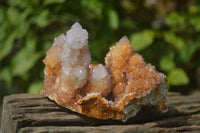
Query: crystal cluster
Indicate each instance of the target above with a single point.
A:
(117, 90)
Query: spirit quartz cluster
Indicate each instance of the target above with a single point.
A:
(117, 90)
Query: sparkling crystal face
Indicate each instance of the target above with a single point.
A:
(76, 37)
(117, 90)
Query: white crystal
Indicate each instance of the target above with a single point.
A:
(80, 72)
(66, 70)
(70, 57)
(99, 81)
(99, 72)
(123, 39)
(75, 57)
(76, 37)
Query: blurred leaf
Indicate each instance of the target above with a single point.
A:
(113, 19)
(128, 23)
(176, 41)
(2, 14)
(12, 14)
(13, 2)
(25, 59)
(26, 13)
(31, 43)
(178, 76)
(36, 87)
(7, 46)
(195, 22)
(20, 3)
(42, 19)
(142, 40)
(48, 2)
(5, 75)
(193, 9)
(174, 19)
(22, 29)
(3, 31)
(187, 52)
(167, 63)
(93, 5)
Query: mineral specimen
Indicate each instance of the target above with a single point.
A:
(117, 90)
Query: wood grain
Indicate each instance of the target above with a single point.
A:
(28, 113)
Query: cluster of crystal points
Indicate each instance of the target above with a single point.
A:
(115, 91)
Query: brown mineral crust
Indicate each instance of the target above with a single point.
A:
(132, 78)
(98, 107)
(142, 77)
(130, 73)
(123, 102)
(116, 62)
(52, 69)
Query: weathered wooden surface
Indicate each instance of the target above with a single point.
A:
(25, 113)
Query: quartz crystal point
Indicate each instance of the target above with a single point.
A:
(115, 91)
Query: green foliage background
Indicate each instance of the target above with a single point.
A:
(166, 33)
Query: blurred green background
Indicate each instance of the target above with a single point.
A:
(165, 32)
